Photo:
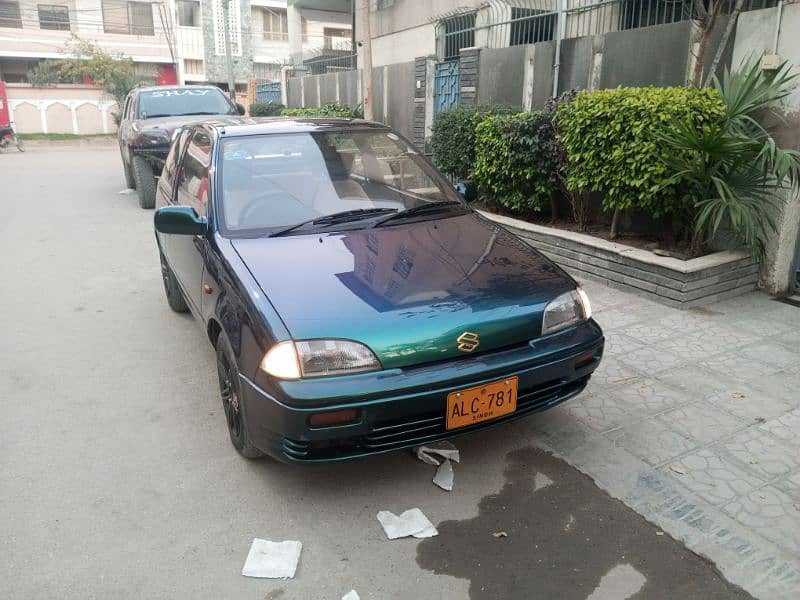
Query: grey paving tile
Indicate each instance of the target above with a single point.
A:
(603, 412)
(653, 442)
(749, 403)
(772, 354)
(765, 328)
(786, 427)
(617, 318)
(702, 421)
(761, 454)
(712, 476)
(648, 396)
(651, 360)
(770, 512)
(650, 333)
(618, 344)
(738, 367)
(610, 373)
(696, 381)
(695, 347)
(791, 486)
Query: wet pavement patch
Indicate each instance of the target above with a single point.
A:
(566, 540)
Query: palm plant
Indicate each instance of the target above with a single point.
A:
(731, 170)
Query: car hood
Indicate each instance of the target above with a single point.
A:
(408, 291)
(169, 124)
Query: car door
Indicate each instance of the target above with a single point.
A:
(186, 253)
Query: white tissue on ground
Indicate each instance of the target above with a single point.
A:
(126, 191)
(444, 476)
(411, 522)
(274, 560)
(436, 453)
(351, 595)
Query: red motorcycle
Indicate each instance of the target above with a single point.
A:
(8, 136)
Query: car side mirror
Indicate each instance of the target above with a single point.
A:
(180, 220)
(468, 190)
(240, 108)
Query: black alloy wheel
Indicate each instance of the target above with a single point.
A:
(230, 394)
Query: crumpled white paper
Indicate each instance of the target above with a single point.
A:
(274, 560)
(444, 476)
(440, 455)
(126, 192)
(351, 595)
(435, 454)
(411, 522)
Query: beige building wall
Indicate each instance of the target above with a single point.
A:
(76, 109)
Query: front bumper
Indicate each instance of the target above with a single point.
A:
(158, 153)
(406, 407)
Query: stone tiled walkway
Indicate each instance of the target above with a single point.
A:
(693, 419)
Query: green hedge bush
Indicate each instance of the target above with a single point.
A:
(265, 109)
(517, 160)
(614, 141)
(331, 109)
(453, 138)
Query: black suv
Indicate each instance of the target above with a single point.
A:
(150, 118)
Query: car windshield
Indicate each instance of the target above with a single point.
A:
(163, 103)
(269, 182)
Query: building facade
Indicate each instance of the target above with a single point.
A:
(177, 40)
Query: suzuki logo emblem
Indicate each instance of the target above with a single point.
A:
(467, 341)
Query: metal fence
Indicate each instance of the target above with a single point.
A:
(268, 92)
(497, 24)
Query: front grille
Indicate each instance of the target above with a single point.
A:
(418, 429)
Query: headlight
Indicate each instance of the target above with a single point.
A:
(156, 137)
(318, 358)
(568, 309)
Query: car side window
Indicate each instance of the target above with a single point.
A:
(193, 174)
(174, 155)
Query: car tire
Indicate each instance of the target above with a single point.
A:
(145, 182)
(130, 180)
(173, 291)
(230, 388)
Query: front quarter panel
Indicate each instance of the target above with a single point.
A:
(239, 306)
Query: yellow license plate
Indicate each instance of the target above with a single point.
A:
(481, 403)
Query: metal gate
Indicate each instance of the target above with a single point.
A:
(269, 92)
(446, 85)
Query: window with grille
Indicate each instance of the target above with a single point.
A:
(234, 26)
(458, 33)
(336, 39)
(531, 25)
(188, 13)
(132, 18)
(276, 25)
(9, 15)
(192, 66)
(53, 16)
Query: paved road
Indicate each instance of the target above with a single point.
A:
(117, 479)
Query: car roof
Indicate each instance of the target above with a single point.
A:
(243, 126)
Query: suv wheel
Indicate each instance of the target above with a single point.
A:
(145, 182)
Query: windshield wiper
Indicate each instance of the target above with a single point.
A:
(336, 218)
(416, 210)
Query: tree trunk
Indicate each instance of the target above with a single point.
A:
(667, 235)
(615, 224)
(724, 40)
(553, 207)
(708, 28)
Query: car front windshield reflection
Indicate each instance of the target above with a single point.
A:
(273, 181)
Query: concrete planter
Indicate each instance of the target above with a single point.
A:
(677, 283)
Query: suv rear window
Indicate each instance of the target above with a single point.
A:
(172, 102)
